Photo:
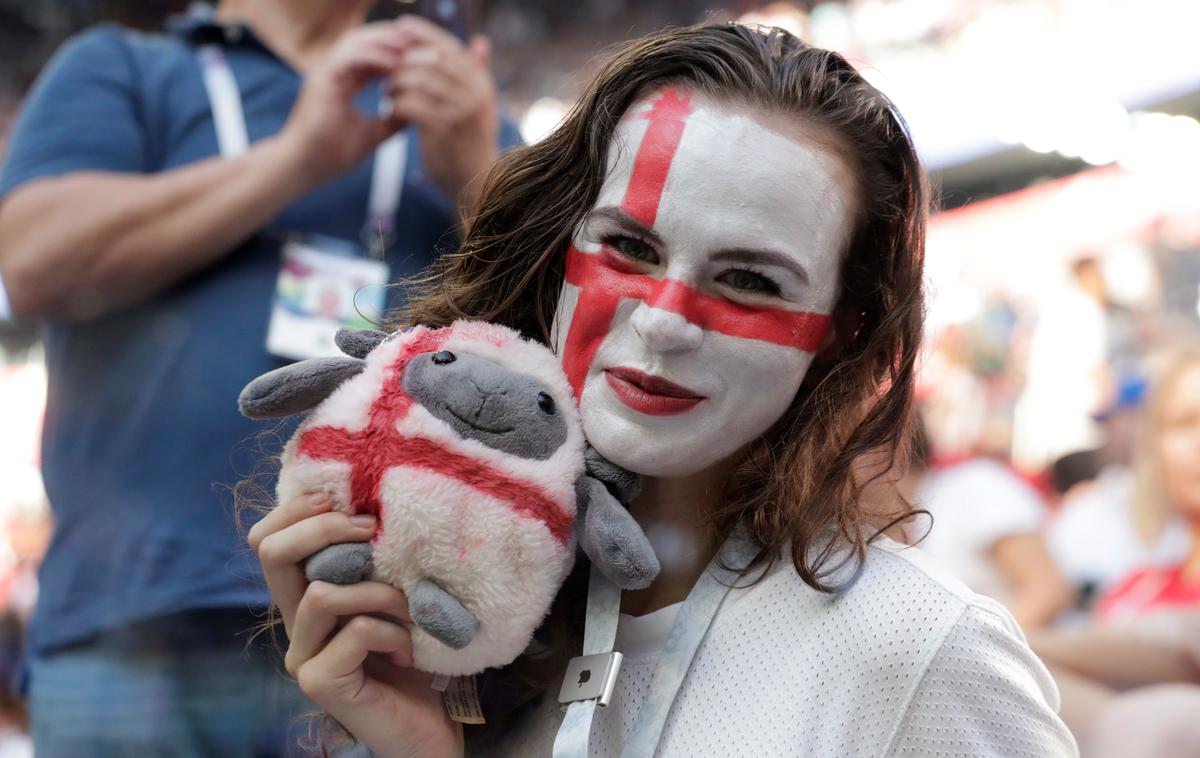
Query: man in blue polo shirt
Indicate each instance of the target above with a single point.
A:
(153, 187)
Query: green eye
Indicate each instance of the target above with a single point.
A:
(632, 247)
(744, 280)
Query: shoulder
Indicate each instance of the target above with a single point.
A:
(896, 582)
(895, 615)
(108, 52)
(115, 44)
(104, 61)
(983, 692)
(913, 646)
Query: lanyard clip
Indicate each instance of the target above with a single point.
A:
(591, 677)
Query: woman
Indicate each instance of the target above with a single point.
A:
(723, 242)
(1167, 483)
(1130, 682)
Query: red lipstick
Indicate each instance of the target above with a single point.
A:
(649, 394)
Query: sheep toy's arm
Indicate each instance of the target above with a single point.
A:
(607, 532)
(301, 386)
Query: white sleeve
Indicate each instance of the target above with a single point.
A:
(984, 693)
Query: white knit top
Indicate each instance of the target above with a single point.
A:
(908, 662)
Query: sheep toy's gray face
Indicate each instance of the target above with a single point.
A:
(484, 401)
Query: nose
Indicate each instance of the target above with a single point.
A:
(664, 331)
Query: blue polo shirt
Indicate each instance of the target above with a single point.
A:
(142, 441)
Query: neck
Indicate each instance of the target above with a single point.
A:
(299, 31)
(676, 515)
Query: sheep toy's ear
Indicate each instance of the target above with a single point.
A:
(357, 343)
(296, 388)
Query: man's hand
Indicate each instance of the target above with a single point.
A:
(326, 132)
(446, 88)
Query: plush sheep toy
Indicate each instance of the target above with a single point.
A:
(466, 443)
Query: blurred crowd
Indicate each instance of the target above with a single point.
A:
(1058, 455)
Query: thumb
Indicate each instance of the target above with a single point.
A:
(481, 50)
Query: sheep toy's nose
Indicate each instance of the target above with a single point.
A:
(494, 408)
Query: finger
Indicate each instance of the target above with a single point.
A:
(378, 33)
(281, 553)
(354, 67)
(481, 50)
(291, 545)
(458, 66)
(287, 513)
(421, 107)
(324, 603)
(434, 84)
(337, 671)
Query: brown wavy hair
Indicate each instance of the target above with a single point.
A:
(797, 486)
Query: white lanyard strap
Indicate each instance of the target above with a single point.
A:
(387, 173)
(387, 184)
(687, 632)
(225, 101)
(599, 636)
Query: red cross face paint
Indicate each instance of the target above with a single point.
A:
(700, 285)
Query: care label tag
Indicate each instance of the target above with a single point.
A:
(462, 701)
(321, 288)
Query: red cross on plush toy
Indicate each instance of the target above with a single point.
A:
(371, 451)
(466, 443)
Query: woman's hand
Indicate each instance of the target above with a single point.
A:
(350, 648)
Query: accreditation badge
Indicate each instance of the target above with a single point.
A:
(322, 287)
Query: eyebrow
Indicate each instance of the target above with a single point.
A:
(764, 257)
(622, 218)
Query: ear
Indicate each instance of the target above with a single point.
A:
(357, 343)
(296, 388)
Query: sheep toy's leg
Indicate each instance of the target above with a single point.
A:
(346, 563)
(611, 538)
(624, 485)
(440, 615)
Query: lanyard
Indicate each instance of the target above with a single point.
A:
(387, 174)
(688, 631)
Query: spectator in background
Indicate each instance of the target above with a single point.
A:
(1092, 534)
(985, 525)
(149, 238)
(1067, 371)
(1166, 484)
(1128, 682)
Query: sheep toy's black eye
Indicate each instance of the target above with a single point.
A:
(442, 357)
(546, 403)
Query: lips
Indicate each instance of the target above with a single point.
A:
(649, 394)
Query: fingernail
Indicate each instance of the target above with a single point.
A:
(402, 659)
(364, 520)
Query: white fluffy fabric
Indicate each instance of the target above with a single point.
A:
(505, 568)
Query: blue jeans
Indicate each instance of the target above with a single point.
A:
(185, 685)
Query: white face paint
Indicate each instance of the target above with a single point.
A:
(700, 285)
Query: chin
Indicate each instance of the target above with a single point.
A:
(650, 452)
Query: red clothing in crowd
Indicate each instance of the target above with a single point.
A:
(1152, 589)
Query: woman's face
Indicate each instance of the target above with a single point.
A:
(1180, 441)
(701, 283)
